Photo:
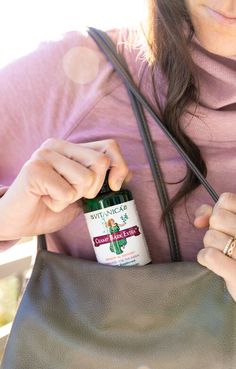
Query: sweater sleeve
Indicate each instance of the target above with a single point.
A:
(4, 245)
(46, 94)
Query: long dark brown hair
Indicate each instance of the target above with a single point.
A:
(169, 33)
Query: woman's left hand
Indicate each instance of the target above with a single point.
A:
(221, 223)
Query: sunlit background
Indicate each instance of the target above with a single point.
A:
(25, 23)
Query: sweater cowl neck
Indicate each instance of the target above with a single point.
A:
(217, 77)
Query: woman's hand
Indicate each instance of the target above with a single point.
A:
(45, 195)
(221, 221)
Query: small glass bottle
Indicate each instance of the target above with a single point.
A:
(115, 228)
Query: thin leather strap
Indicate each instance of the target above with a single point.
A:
(109, 49)
(175, 253)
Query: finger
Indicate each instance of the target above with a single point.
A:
(86, 181)
(79, 153)
(227, 201)
(119, 168)
(202, 216)
(218, 263)
(218, 240)
(223, 220)
(52, 185)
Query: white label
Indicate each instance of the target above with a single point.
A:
(117, 235)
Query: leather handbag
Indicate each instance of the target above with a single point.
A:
(78, 314)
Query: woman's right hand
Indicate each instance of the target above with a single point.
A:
(45, 195)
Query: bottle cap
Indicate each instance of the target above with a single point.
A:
(105, 187)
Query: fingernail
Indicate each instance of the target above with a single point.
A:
(116, 186)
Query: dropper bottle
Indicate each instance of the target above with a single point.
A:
(115, 228)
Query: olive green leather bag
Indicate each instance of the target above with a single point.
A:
(78, 314)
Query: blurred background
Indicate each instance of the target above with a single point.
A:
(23, 25)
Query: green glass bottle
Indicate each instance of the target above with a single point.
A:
(115, 228)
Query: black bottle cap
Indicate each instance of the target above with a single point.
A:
(105, 187)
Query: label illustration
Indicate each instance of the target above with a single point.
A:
(117, 235)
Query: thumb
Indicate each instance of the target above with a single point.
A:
(202, 216)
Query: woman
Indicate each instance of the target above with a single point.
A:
(116, 246)
(56, 107)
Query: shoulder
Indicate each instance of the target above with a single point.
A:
(83, 60)
(59, 83)
(70, 54)
(73, 58)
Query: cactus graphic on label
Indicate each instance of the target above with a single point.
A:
(124, 218)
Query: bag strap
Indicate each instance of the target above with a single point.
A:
(175, 254)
